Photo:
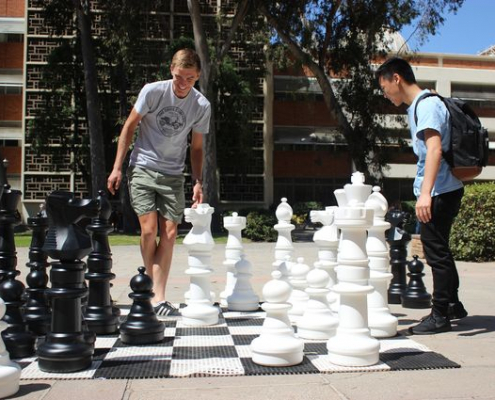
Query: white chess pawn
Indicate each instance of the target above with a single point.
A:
(277, 345)
(318, 321)
(298, 298)
(200, 310)
(10, 372)
(243, 297)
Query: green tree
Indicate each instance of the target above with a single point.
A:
(341, 39)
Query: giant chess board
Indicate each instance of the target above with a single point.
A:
(224, 350)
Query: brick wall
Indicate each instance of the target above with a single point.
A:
(11, 55)
(11, 107)
(14, 157)
(315, 164)
(12, 8)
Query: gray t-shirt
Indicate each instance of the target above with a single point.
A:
(166, 122)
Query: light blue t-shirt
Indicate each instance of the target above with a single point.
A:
(165, 125)
(432, 114)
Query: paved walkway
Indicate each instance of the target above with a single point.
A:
(471, 344)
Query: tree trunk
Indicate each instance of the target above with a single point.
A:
(98, 169)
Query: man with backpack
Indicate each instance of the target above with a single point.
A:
(438, 192)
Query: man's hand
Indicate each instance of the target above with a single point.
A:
(114, 180)
(197, 194)
(423, 208)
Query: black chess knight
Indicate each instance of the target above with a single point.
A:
(67, 347)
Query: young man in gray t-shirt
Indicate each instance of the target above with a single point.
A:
(166, 111)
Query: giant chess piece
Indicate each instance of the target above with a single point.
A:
(37, 310)
(298, 297)
(67, 348)
(142, 325)
(415, 295)
(381, 322)
(233, 251)
(200, 310)
(327, 240)
(283, 246)
(9, 218)
(100, 315)
(18, 340)
(318, 321)
(243, 297)
(352, 344)
(10, 372)
(277, 345)
(398, 240)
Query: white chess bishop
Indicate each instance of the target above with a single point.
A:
(277, 345)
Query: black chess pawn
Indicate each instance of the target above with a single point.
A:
(67, 347)
(142, 325)
(100, 315)
(398, 239)
(415, 295)
(37, 310)
(19, 341)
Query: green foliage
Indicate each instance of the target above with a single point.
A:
(259, 225)
(473, 233)
(300, 211)
(411, 222)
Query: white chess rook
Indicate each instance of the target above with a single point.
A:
(381, 322)
(200, 310)
(277, 345)
(243, 297)
(318, 321)
(233, 251)
(10, 372)
(352, 344)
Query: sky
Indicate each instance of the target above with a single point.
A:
(469, 31)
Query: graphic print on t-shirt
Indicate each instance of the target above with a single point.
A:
(171, 121)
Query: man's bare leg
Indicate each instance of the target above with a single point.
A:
(157, 258)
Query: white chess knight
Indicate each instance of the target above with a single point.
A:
(10, 372)
(353, 344)
(243, 297)
(199, 243)
(381, 322)
(327, 240)
(277, 345)
(318, 321)
(233, 251)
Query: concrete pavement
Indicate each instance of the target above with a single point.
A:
(471, 344)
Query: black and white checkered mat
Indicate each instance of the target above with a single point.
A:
(224, 350)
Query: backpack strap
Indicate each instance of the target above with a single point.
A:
(445, 155)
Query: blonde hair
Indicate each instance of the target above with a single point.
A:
(186, 58)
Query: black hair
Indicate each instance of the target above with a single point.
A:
(396, 65)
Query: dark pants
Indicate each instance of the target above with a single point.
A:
(435, 238)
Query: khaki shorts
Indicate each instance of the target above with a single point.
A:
(153, 191)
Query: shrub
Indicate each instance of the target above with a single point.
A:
(300, 211)
(259, 226)
(473, 233)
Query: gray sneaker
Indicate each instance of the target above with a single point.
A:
(166, 309)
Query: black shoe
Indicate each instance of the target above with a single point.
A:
(433, 323)
(165, 309)
(456, 311)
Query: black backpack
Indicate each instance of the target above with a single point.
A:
(468, 152)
